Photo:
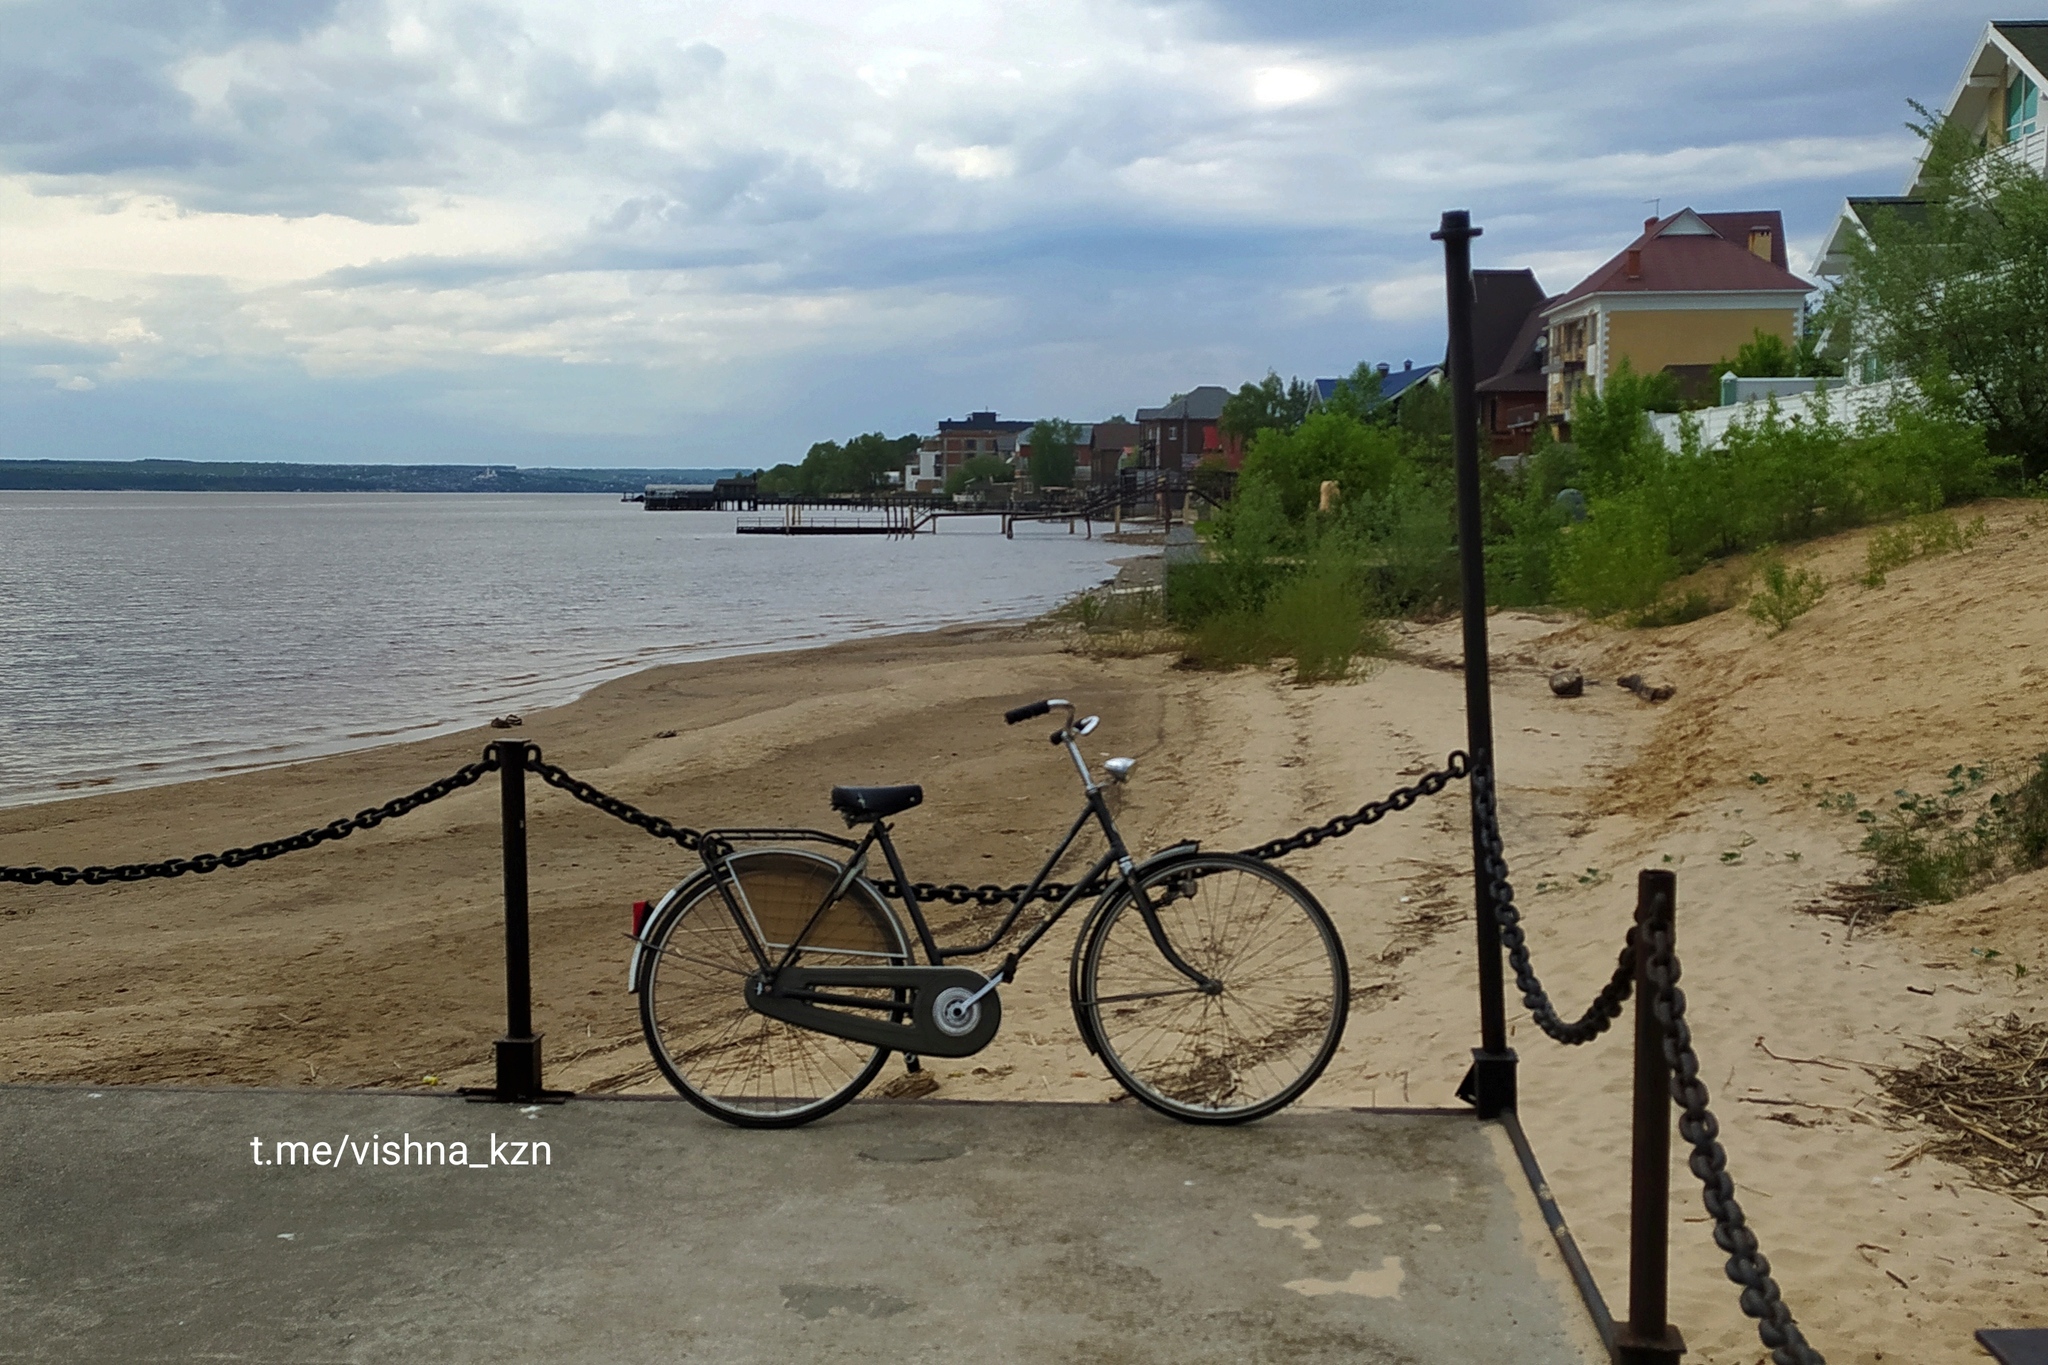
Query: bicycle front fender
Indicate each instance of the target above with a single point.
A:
(1102, 903)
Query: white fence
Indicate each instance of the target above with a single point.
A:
(1843, 405)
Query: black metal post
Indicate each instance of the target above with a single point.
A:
(1647, 1338)
(518, 1052)
(1491, 1084)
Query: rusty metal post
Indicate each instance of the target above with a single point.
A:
(1490, 1085)
(1647, 1338)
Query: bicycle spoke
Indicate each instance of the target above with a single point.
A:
(741, 1065)
(1246, 1050)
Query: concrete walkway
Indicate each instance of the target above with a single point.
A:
(137, 1225)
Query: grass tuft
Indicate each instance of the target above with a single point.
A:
(1930, 849)
(1786, 595)
(1922, 537)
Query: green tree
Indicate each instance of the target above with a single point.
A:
(1266, 405)
(1766, 355)
(1611, 427)
(1294, 462)
(862, 465)
(1358, 394)
(1954, 292)
(1052, 441)
(981, 468)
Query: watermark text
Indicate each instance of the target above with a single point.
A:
(404, 1150)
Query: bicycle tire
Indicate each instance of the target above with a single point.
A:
(734, 1064)
(1260, 1041)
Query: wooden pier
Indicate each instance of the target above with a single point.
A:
(1137, 495)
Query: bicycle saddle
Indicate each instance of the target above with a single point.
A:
(874, 803)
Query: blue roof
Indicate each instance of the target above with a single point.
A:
(1393, 383)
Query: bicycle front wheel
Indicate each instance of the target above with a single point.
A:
(1253, 1041)
(726, 1059)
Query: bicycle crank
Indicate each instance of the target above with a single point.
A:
(931, 1011)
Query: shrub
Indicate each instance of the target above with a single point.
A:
(1118, 624)
(1786, 594)
(1612, 431)
(1409, 537)
(1934, 534)
(1676, 611)
(1293, 463)
(1619, 559)
(1319, 620)
(1228, 640)
(1931, 849)
(1318, 617)
(981, 467)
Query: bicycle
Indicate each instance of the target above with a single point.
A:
(774, 983)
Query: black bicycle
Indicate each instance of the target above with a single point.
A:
(775, 983)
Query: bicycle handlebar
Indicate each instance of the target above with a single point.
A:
(1021, 713)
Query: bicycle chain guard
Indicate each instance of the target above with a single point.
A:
(808, 997)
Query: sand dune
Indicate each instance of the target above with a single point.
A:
(376, 961)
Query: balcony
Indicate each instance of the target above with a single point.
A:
(2029, 151)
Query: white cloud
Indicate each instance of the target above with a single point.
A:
(1275, 87)
(970, 163)
(686, 193)
(1408, 298)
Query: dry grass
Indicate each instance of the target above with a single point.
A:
(1986, 1098)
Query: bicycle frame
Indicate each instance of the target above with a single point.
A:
(715, 850)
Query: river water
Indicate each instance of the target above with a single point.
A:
(158, 637)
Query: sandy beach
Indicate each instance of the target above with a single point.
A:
(377, 961)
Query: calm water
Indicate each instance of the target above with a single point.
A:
(153, 637)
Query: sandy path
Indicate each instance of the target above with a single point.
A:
(376, 961)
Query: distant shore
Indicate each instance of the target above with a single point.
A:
(203, 476)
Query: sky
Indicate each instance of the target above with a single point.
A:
(695, 234)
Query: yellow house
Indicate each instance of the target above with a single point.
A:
(1687, 293)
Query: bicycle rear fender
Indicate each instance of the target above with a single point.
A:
(642, 954)
(1164, 855)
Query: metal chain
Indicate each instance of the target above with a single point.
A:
(269, 848)
(680, 835)
(987, 895)
(1372, 812)
(1709, 1161)
(1606, 1006)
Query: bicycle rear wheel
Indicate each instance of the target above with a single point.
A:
(1256, 1041)
(726, 1059)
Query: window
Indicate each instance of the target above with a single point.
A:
(2022, 108)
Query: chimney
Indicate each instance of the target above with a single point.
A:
(1635, 262)
(1649, 226)
(1385, 369)
(1407, 365)
(1760, 242)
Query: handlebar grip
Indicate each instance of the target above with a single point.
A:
(1017, 713)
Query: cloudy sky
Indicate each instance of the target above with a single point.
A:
(682, 233)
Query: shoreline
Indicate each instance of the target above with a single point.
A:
(203, 640)
(172, 773)
(90, 789)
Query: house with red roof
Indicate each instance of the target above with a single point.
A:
(1687, 292)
